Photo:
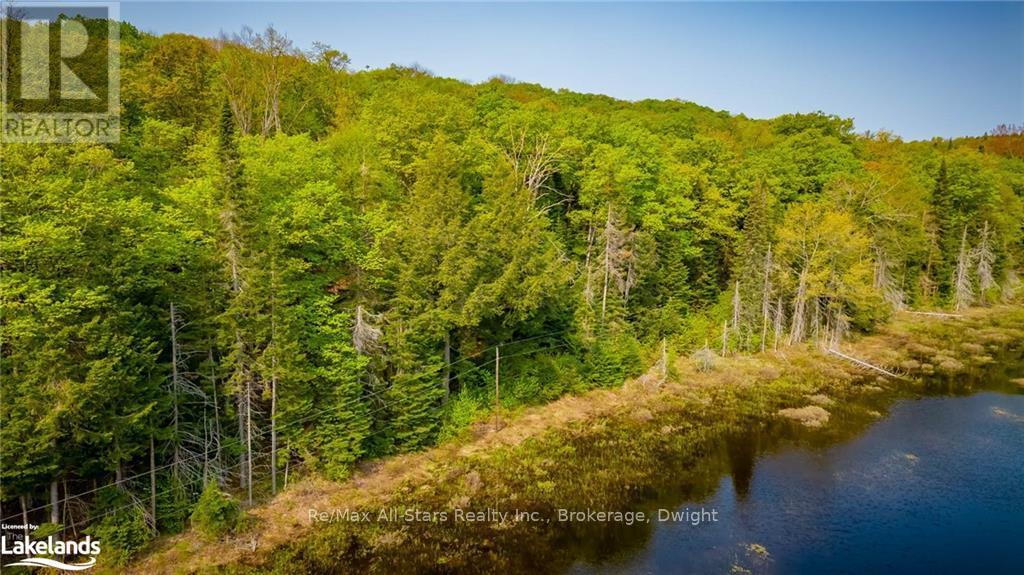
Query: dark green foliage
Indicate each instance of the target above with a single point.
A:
(216, 513)
(122, 529)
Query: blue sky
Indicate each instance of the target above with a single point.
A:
(918, 69)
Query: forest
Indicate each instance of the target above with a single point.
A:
(290, 266)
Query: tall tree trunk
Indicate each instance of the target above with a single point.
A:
(766, 305)
(152, 479)
(273, 381)
(240, 401)
(216, 431)
(24, 513)
(66, 515)
(54, 503)
(964, 292)
(986, 259)
(780, 320)
(816, 320)
(736, 306)
(607, 262)
(174, 391)
(447, 365)
(725, 337)
(796, 333)
(248, 437)
(497, 387)
(273, 428)
(588, 292)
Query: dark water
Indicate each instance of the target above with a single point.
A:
(936, 486)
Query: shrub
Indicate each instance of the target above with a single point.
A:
(123, 533)
(216, 513)
(459, 413)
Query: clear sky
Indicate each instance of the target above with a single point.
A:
(918, 69)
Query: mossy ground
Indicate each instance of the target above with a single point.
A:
(603, 450)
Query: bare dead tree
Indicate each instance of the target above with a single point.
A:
(885, 283)
(213, 464)
(619, 260)
(736, 307)
(798, 327)
(176, 384)
(627, 256)
(963, 295)
(704, 358)
(189, 445)
(365, 335)
(534, 161)
(273, 376)
(838, 327)
(254, 78)
(277, 49)
(609, 236)
(816, 319)
(985, 258)
(725, 338)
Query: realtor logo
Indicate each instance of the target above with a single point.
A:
(61, 71)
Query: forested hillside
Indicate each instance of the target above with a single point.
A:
(287, 264)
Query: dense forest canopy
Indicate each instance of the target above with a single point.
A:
(285, 264)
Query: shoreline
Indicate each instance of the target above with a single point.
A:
(602, 450)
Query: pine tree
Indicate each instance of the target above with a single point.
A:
(749, 272)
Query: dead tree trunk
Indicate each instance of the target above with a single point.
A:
(447, 365)
(24, 513)
(796, 331)
(152, 479)
(736, 307)
(240, 407)
(273, 382)
(175, 387)
(54, 502)
(588, 292)
(608, 231)
(986, 258)
(725, 337)
(963, 292)
(273, 431)
(248, 437)
(216, 431)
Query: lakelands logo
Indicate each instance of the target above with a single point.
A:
(32, 552)
(61, 71)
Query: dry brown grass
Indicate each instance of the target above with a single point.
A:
(809, 415)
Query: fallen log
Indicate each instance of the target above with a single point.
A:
(861, 363)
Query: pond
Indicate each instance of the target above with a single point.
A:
(936, 485)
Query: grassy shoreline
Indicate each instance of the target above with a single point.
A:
(603, 450)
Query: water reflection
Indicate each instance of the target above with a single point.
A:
(934, 487)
